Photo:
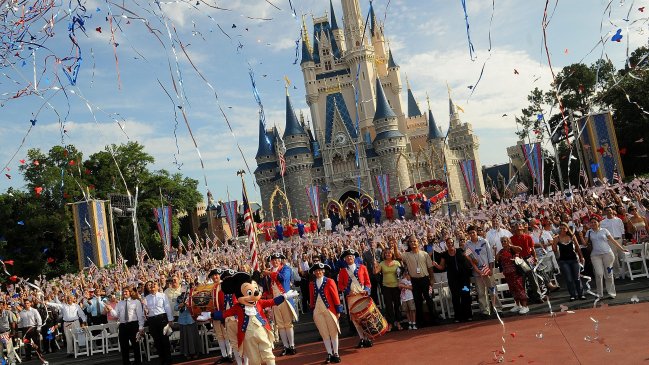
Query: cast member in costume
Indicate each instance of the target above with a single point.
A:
(354, 282)
(326, 307)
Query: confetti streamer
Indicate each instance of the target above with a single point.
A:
(468, 33)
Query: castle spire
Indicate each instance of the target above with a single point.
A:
(433, 130)
(372, 20)
(334, 23)
(413, 108)
(383, 109)
(306, 44)
(391, 63)
(265, 142)
(293, 126)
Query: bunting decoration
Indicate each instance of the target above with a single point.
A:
(534, 160)
(470, 175)
(383, 183)
(230, 209)
(91, 231)
(163, 221)
(313, 193)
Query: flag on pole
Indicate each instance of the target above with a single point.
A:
(521, 187)
(163, 219)
(282, 164)
(582, 175)
(231, 214)
(313, 193)
(383, 183)
(616, 177)
(251, 230)
(469, 174)
(554, 185)
(534, 160)
(190, 243)
(495, 192)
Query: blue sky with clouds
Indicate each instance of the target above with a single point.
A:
(428, 40)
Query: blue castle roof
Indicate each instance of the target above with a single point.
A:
(433, 131)
(413, 108)
(293, 126)
(391, 63)
(334, 23)
(306, 55)
(266, 142)
(383, 109)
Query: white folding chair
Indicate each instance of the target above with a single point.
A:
(438, 298)
(111, 337)
(636, 254)
(80, 342)
(210, 343)
(151, 352)
(96, 339)
(501, 288)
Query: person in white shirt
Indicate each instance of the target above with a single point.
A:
(71, 313)
(327, 224)
(30, 323)
(615, 227)
(496, 233)
(159, 314)
(130, 314)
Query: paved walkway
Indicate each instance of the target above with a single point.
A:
(622, 327)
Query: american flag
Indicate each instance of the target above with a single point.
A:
(582, 175)
(495, 192)
(474, 197)
(554, 185)
(208, 241)
(521, 187)
(282, 164)
(251, 230)
(616, 177)
(190, 243)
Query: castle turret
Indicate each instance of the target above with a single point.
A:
(338, 34)
(413, 108)
(267, 167)
(353, 23)
(390, 143)
(299, 160)
(454, 118)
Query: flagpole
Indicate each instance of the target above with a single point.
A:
(252, 222)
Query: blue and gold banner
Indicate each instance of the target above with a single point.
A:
(91, 232)
(599, 145)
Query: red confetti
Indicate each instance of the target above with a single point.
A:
(91, 187)
(36, 163)
(8, 176)
(521, 355)
(623, 151)
(50, 260)
(25, 340)
(9, 262)
(38, 190)
(13, 278)
(71, 162)
(513, 334)
(88, 171)
(601, 150)
(22, 162)
(98, 29)
(66, 196)
(581, 88)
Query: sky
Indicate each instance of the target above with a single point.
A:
(150, 63)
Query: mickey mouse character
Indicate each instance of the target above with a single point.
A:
(254, 335)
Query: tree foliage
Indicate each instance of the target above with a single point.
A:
(36, 225)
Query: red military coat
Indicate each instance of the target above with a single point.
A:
(389, 212)
(344, 281)
(414, 207)
(242, 319)
(329, 294)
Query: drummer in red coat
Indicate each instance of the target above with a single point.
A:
(414, 207)
(326, 307)
(313, 225)
(354, 282)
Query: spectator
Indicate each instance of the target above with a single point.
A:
(481, 257)
(189, 338)
(131, 324)
(514, 280)
(565, 246)
(389, 268)
(29, 324)
(407, 300)
(459, 271)
(602, 256)
(420, 268)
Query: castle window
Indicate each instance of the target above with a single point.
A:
(325, 51)
(327, 65)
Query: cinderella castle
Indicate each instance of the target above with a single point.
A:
(359, 128)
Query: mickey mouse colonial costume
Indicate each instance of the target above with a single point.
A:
(254, 335)
(279, 281)
(354, 282)
(326, 307)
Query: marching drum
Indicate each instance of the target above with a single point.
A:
(368, 317)
(202, 298)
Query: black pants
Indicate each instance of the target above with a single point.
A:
(461, 299)
(126, 335)
(374, 287)
(304, 288)
(161, 342)
(31, 334)
(420, 290)
(49, 345)
(392, 299)
(95, 320)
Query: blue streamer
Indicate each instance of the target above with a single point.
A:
(255, 92)
(468, 33)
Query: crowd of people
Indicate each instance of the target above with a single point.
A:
(529, 239)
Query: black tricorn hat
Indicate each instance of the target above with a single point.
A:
(227, 273)
(276, 255)
(218, 271)
(347, 252)
(319, 266)
(232, 284)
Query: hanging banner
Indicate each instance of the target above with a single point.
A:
(91, 232)
(533, 156)
(469, 174)
(231, 214)
(383, 183)
(163, 220)
(599, 146)
(313, 193)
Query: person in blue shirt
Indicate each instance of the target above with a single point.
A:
(279, 229)
(377, 216)
(426, 205)
(189, 335)
(401, 211)
(300, 228)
